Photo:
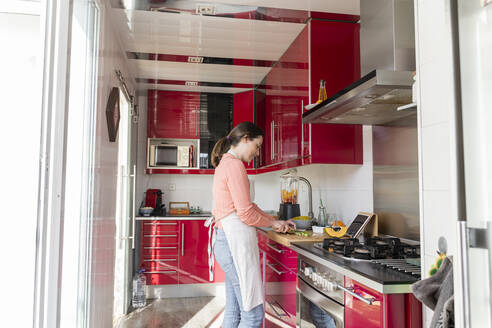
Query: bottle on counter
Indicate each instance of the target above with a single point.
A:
(322, 219)
(139, 298)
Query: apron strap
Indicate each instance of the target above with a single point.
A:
(210, 223)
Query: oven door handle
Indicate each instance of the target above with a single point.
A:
(350, 290)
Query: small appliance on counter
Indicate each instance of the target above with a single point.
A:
(289, 190)
(153, 199)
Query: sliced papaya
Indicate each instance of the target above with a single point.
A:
(336, 231)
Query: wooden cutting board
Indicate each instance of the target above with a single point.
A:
(287, 239)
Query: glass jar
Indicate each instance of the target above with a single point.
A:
(289, 187)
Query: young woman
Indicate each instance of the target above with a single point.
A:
(236, 216)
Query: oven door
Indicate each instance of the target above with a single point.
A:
(316, 310)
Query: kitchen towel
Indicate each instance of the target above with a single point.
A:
(436, 292)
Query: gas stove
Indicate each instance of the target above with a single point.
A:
(386, 251)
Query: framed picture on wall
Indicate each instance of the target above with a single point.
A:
(113, 113)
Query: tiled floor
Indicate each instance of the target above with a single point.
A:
(193, 312)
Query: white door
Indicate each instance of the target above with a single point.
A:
(475, 54)
(125, 203)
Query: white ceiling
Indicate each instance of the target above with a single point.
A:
(195, 35)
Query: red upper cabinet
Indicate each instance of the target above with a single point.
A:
(325, 49)
(243, 110)
(173, 114)
(193, 255)
(335, 58)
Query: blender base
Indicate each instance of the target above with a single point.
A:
(288, 211)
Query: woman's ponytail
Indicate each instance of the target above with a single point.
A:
(244, 129)
(221, 147)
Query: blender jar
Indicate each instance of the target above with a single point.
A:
(289, 186)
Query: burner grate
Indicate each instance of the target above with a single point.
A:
(400, 265)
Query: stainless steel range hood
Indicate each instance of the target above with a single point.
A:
(387, 60)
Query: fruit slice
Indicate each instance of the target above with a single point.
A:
(336, 231)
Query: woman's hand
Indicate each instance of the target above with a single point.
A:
(283, 226)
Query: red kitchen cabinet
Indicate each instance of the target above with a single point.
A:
(175, 252)
(326, 50)
(159, 251)
(386, 311)
(193, 252)
(243, 110)
(173, 114)
(280, 294)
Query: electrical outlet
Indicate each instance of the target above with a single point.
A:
(205, 9)
(172, 186)
(195, 59)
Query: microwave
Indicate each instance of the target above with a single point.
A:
(170, 155)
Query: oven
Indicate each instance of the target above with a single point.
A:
(320, 303)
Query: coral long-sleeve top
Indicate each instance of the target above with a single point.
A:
(231, 194)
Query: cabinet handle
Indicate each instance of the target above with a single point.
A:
(302, 129)
(163, 272)
(163, 260)
(163, 247)
(182, 240)
(172, 223)
(284, 314)
(350, 290)
(272, 143)
(155, 236)
(134, 182)
(197, 119)
(275, 249)
(274, 270)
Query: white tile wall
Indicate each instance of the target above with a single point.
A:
(106, 158)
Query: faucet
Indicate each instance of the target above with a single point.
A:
(310, 194)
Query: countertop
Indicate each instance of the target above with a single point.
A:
(375, 276)
(200, 216)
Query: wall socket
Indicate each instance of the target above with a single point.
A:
(203, 9)
(172, 186)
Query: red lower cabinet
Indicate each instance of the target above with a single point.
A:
(193, 255)
(175, 252)
(280, 294)
(386, 311)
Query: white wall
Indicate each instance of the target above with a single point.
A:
(111, 57)
(345, 189)
(435, 74)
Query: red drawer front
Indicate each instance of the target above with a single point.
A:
(159, 251)
(168, 263)
(280, 290)
(162, 277)
(160, 239)
(360, 314)
(159, 226)
(280, 253)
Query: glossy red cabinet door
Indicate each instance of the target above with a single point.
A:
(193, 256)
(280, 294)
(359, 314)
(243, 110)
(173, 114)
(386, 311)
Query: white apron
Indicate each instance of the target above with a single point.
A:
(243, 245)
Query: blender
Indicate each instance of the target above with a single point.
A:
(289, 188)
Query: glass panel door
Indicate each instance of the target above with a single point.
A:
(124, 212)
